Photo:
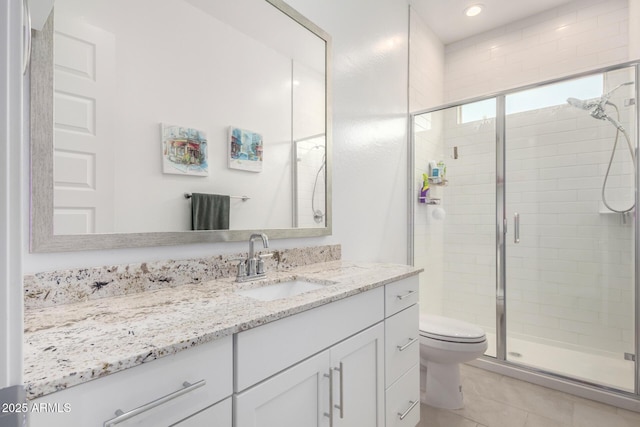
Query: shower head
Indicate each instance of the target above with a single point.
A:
(596, 106)
(583, 104)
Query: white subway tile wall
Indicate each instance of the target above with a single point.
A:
(578, 36)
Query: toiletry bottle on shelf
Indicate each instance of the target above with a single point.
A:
(424, 191)
(443, 170)
(434, 172)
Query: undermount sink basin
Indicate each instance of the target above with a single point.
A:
(280, 290)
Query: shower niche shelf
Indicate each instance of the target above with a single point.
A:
(428, 201)
(442, 183)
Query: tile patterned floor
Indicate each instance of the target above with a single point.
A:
(493, 400)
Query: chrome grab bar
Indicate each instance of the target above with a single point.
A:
(413, 405)
(516, 227)
(123, 416)
(404, 347)
(407, 295)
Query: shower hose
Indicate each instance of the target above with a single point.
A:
(619, 130)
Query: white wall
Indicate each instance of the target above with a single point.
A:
(370, 142)
(578, 36)
(426, 87)
(370, 124)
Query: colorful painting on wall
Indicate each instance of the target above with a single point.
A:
(245, 150)
(184, 151)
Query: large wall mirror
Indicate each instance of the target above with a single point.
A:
(143, 112)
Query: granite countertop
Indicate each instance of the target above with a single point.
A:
(70, 344)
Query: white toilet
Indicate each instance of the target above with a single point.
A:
(444, 344)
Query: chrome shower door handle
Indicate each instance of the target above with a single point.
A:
(516, 227)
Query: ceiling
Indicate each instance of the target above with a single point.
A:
(447, 20)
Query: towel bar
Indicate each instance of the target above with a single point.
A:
(244, 198)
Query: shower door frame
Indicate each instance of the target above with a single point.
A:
(630, 400)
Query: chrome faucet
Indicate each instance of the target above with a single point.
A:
(253, 267)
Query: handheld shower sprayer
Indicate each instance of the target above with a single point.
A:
(596, 108)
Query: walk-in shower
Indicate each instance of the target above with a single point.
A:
(539, 242)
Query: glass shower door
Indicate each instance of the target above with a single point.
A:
(569, 250)
(454, 222)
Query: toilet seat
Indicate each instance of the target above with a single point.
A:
(450, 330)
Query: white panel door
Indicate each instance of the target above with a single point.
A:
(84, 93)
(358, 382)
(297, 397)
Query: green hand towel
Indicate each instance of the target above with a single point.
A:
(209, 211)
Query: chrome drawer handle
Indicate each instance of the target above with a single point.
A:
(403, 415)
(404, 347)
(330, 413)
(341, 406)
(407, 295)
(123, 416)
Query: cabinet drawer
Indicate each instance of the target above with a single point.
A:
(266, 350)
(218, 415)
(400, 295)
(402, 343)
(403, 400)
(94, 402)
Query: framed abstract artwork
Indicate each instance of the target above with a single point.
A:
(245, 150)
(184, 151)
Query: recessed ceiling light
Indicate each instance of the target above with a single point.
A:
(473, 10)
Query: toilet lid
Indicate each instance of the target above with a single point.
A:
(448, 329)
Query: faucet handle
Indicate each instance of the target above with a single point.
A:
(241, 268)
(260, 268)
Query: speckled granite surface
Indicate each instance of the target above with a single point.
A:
(67, 345)
(85, 284)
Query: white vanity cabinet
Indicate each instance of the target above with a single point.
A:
(340, 381)
(402, 353)
(358, 379)
(299, 396)
(189, 388)
(351, 363)
(344, 383)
